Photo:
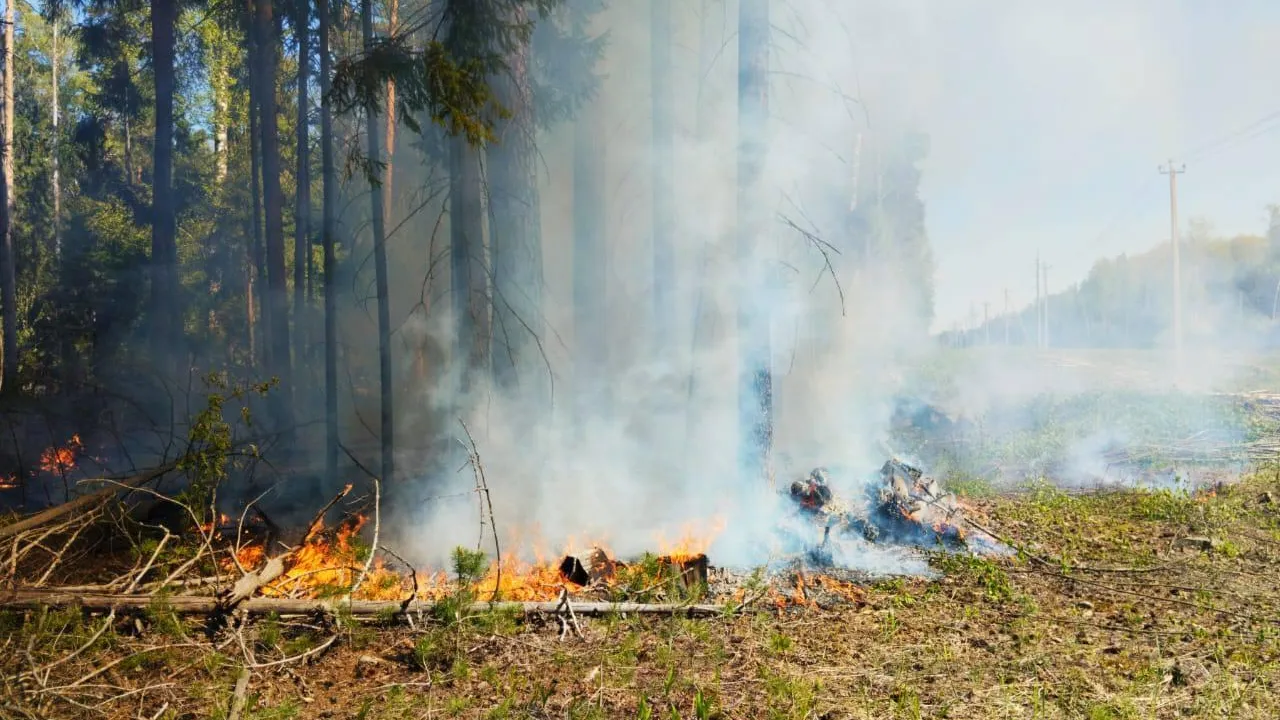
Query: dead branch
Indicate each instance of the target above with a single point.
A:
(377, 523)
(84, 501)
(317, 524)
(143, 573)
(240, 696)
(482, 493)
(195, 604)
(249, 583)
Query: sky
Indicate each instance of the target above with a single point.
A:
(1048, 121)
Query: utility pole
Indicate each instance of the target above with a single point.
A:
(1045, 269)
(1039, 313)
(1006, 317)
(1173, 173)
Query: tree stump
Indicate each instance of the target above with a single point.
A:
(689, 572)
(588, 567)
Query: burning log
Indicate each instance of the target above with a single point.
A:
(195, 604)
(689, 571)
(588, 567)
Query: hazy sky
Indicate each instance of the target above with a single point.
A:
(1048, 121)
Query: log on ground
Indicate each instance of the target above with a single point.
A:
(196, 604)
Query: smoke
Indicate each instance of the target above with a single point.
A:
(657, 454)
(842, 275)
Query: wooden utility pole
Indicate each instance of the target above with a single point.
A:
(1173, 174)
(986, 322)
(1044, 269)
(1039, 312)
(1006, 317)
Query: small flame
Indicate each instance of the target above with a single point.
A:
(9, 483)
(693, 540)
(61, 460)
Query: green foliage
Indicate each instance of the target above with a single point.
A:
(210, 440)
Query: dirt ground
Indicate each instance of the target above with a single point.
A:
(1133, 604)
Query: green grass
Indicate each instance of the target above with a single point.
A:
(1106, 613)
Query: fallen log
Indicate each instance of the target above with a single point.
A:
(84, 501)
(196, 604)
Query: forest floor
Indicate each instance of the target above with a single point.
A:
(1123, 604)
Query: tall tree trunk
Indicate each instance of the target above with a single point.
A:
(664, 266)
(755, 386)
(515, 229)
(389, 146)
(166, 316)
(329, 197)
(377, 204)
(590, 269)
(302, 199)
(273, 209)
(8, 261)
(57, 116)
(258, 275)
(470, 281)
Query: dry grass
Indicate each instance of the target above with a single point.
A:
(1117, 615)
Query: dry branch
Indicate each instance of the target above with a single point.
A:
(84, 501)
(195, 604)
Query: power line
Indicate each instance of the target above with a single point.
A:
(1239, 134)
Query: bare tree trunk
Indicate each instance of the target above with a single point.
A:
(129, 177)
(8, 259)
(755, 387)
(515, 231)
(377, 205)
(590, 270)
(57, 116)
(389, 146)
(664, 265)
(328, 199)
(467, 260)
(273, 207)
(166, 316)
(302, 199)
(258, 275)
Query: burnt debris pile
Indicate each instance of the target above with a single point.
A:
(899, 505)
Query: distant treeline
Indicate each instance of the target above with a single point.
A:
(1229, 291)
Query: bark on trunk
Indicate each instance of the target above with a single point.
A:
(273, 207)
(755, 387)
(166, 316)
(377, 204)
(302, 199)
(57, 116)
(470, 281)
(516, 235)
(8, 259)
(389, 145)
(329, 197)
(258, 274)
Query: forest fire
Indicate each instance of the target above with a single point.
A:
(61, 460)
(905, 507)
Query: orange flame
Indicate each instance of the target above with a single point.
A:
(61, 460)
(692, 542)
